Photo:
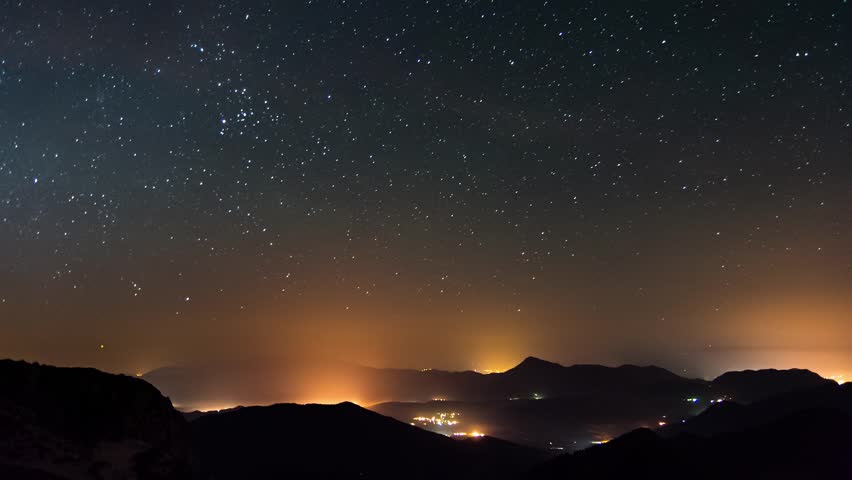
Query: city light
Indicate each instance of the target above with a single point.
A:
(443, 422)
(439, 419)
(533, 396)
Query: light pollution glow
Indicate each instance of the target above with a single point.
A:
(479, 211)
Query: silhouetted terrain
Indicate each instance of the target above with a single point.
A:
(74, 423)
(343, 441)
(196, 414)
(546, 405)
(248, 384)
(751, 385)
(81, 423)
(732, 416)
(803, 434)
(537, 403)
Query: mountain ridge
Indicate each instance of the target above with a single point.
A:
(247, 443)
(73, 422)
(193, 389)
(773, 438)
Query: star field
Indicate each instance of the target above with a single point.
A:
(625, 180)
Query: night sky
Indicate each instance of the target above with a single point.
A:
(452, 184)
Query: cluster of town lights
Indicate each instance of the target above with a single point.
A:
(440, 419)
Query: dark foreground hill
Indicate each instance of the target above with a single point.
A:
(81, 423)
(75, 423)
(802, 434)
(343, 441)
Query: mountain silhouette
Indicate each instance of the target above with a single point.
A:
(751, 385)
(242, 383)
(76, 423)
(532, 365)
(343, 441)
(552, 379)
(194, 388)
(546, 405)
(800, 434)
(731, 416)
(537, 403)
(196, 414)
(82, 423)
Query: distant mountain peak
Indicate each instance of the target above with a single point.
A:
(770, 373)
(534, 363)
(750, 385)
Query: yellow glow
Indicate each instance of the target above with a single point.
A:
(810, 322)
(215, 408)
